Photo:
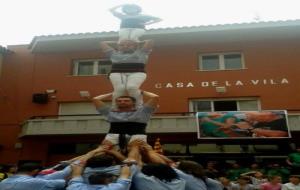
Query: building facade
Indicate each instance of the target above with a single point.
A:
(45, 115)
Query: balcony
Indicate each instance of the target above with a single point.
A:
(92, 124)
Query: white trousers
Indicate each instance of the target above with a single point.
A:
(114, 138)
(130, 34)
(127, 82)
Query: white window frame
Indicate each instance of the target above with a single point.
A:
(221, 61)
(95, 66)
(225, 99)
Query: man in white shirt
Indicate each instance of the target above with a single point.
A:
(294, 183)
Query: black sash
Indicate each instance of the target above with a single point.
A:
(127, 67)
(129, 128)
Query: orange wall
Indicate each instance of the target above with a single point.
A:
(25, 73)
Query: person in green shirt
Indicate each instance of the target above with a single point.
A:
(278, 170)
(236, 170)
(294, 159)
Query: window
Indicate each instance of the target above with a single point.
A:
(79, 110)
(76, 108)
(250, 104)
(223, 61)
(230, 105)
(104, 67)
(85, 68)
(91, 67)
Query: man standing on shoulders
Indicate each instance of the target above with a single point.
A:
(126, 120)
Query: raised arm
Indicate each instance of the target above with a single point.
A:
(118, 155)
(79, 165)
(153, 99)
(116, 13)
(105, 46)
(153, 20)
(134, 152)
(98, 100)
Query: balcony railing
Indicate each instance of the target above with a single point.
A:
(95, 124)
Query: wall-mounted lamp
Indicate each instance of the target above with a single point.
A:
(221, 89)
(84, 94)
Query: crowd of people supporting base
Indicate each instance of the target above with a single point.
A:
(141, 168)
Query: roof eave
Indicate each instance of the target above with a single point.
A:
(41, 41)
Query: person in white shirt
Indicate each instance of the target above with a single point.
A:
(294, 183)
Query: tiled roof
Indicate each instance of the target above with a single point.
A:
(37, 41)
(260, 24)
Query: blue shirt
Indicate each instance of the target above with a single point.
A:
(115, 170)
(40, 182)
(26, 182)
(57, 175)
(141, 114)
(143, 182)
(193, 183)
(77, 183)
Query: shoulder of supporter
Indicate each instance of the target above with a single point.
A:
(104, 110)
(76, 180)
(148, 108)
(55, 183)
(120, 184)
(182, 174)
(36, 183)
(57, 175)
(77, 183)
(213, 184)
(124, 181)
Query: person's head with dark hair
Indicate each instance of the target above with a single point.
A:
(129, 97)
(102, 160)
(274, 179)
(161, 171)
(101, 178)
(294, 179)
(11, 169)
(127, 46)
(30, 168)
(243, 180)
(193, 168)
(125, 102)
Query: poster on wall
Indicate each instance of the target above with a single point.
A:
(243, 124)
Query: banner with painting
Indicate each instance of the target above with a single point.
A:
(243, 124)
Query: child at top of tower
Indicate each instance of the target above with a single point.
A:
(133, 23)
